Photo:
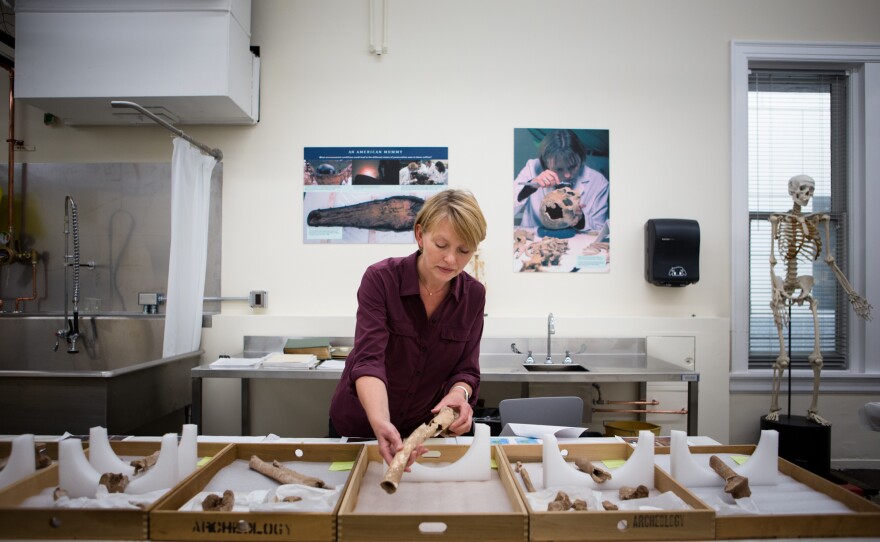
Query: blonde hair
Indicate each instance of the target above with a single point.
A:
(460, 207)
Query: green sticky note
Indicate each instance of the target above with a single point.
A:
(494, 464)
(203, 461)
(341, 465)
(613, 463)
(740, 459)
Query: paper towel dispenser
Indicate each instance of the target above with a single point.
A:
(672, 251)
(187, 61)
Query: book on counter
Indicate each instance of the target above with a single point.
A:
(320, 347)
(280, 360)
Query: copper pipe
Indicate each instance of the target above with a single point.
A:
(33, 296)
(652, 402)
(636, 411)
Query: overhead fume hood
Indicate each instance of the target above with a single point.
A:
(187, 61)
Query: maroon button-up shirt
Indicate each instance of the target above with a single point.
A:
(419, 359)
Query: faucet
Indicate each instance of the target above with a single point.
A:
(551, 329)
(71, 227)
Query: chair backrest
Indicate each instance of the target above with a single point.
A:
(565, 411)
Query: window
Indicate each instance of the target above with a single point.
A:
(798, 124)
(812, 109)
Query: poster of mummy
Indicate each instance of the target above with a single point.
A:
(368, 194)
(561, 201)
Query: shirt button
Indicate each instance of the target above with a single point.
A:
(424, 349)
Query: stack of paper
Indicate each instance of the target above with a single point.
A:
(224, 363)
(279, 360)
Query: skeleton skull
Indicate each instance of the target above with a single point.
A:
(561, 209)
(801, 188)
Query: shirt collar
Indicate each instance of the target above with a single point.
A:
(409, 284)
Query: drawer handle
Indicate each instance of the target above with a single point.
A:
(432, 527)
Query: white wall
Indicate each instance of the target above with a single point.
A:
(464, 74)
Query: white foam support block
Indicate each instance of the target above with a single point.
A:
(102, 457)
(685, 469)
(187, 453)
(762, 469)
(163, 474)
(638, 469)
(21, 461)
(75, 474)
(474, 466)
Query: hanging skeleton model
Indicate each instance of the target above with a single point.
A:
(797, 238)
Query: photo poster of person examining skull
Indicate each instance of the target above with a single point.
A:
(361, 195)
(561, 201)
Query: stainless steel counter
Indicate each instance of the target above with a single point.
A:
(616, 364)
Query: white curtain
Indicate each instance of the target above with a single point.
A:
(190, 202)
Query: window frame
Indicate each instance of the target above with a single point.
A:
(863, 60)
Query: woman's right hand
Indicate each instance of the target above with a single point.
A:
(390, 443)
(388, 439)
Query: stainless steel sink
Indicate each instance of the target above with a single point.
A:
(555, 367)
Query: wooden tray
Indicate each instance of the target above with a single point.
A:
(695, 524)
(864, 522)
(69, 523)
(419, 525)
(168, 522)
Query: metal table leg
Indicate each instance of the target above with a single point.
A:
(196, 409)
(245, 407)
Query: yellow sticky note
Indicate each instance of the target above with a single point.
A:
(204, 461)
(341, 465)
(740, 459)
(613, 463)
(494, 464)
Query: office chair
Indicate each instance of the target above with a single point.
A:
(562, 411)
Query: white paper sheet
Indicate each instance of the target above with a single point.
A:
(538, 431)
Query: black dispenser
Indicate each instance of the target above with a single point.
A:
(672, 251)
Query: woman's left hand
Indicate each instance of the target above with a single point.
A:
(456, 401)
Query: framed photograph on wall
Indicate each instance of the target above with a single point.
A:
(561, 201)
(368, 194)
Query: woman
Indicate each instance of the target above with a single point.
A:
(417, 338)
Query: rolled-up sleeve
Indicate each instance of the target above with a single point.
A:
(371, 331)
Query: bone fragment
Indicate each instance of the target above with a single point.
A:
(556, 506)
(114, 482)
(737, 485)
(41, 457)
(626, 493)
(216, 503)
(608, 505)
(291, 498)
(598, 474)
(145, 463)
(280, 473)
(580, 505)
(562, 497)
(527, 480)
(59, 493)
(422, 433)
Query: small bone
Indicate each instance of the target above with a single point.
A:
(556, 506)
(627, 493)
(608, 505)
(216, 503)
(737, 486)
(598, 474)
(41, 457)
(527, 480)
(580, 505)
(59, 493)
(563, 497)
(280, 473)
(291, 498)
(115, 482)
(144, 463)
